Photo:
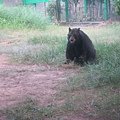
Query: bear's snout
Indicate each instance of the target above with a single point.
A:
(72, 39)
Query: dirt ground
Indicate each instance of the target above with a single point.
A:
(18, 81)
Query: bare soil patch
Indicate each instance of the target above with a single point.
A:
(20, 81)
(40, 82)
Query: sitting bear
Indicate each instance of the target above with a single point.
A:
(79, 48)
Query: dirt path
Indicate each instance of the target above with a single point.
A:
(18, 82)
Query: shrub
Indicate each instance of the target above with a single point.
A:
(21, 17)
(117, 3)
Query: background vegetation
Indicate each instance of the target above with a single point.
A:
(117, 6)
(21, 17)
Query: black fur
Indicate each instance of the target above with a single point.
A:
(79, 47)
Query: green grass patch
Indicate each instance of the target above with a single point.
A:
(108, 70)
(105, 34)
(29, 110)
(107, 105)
(105, 72)
(43, 49)
(47, 39)
(21, 17)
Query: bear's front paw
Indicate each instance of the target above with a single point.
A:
(67, 61)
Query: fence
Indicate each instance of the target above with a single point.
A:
(95, 10)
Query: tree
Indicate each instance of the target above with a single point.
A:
(54, 10)
(75, 2)
(58, 10)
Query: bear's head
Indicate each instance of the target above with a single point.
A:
(73, 35)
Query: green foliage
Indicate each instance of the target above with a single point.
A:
(21, 17)
(52, 11)
(117, 3)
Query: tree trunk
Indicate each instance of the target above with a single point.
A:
(58, 10)
(75, 12)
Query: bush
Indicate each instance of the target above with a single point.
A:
(21, 17)
(117, 3)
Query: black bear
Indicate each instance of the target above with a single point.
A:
(80, 48)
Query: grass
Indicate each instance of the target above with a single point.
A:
(21, 17)
(107, 72)
(95, 90)
(42, 49)
(108, 105)
(29, 110)
(104, 34)
(97, 94)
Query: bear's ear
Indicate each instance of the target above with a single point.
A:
(78, 29)
(70, 29)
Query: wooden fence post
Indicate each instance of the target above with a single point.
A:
(67, 10)
(85, 7)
